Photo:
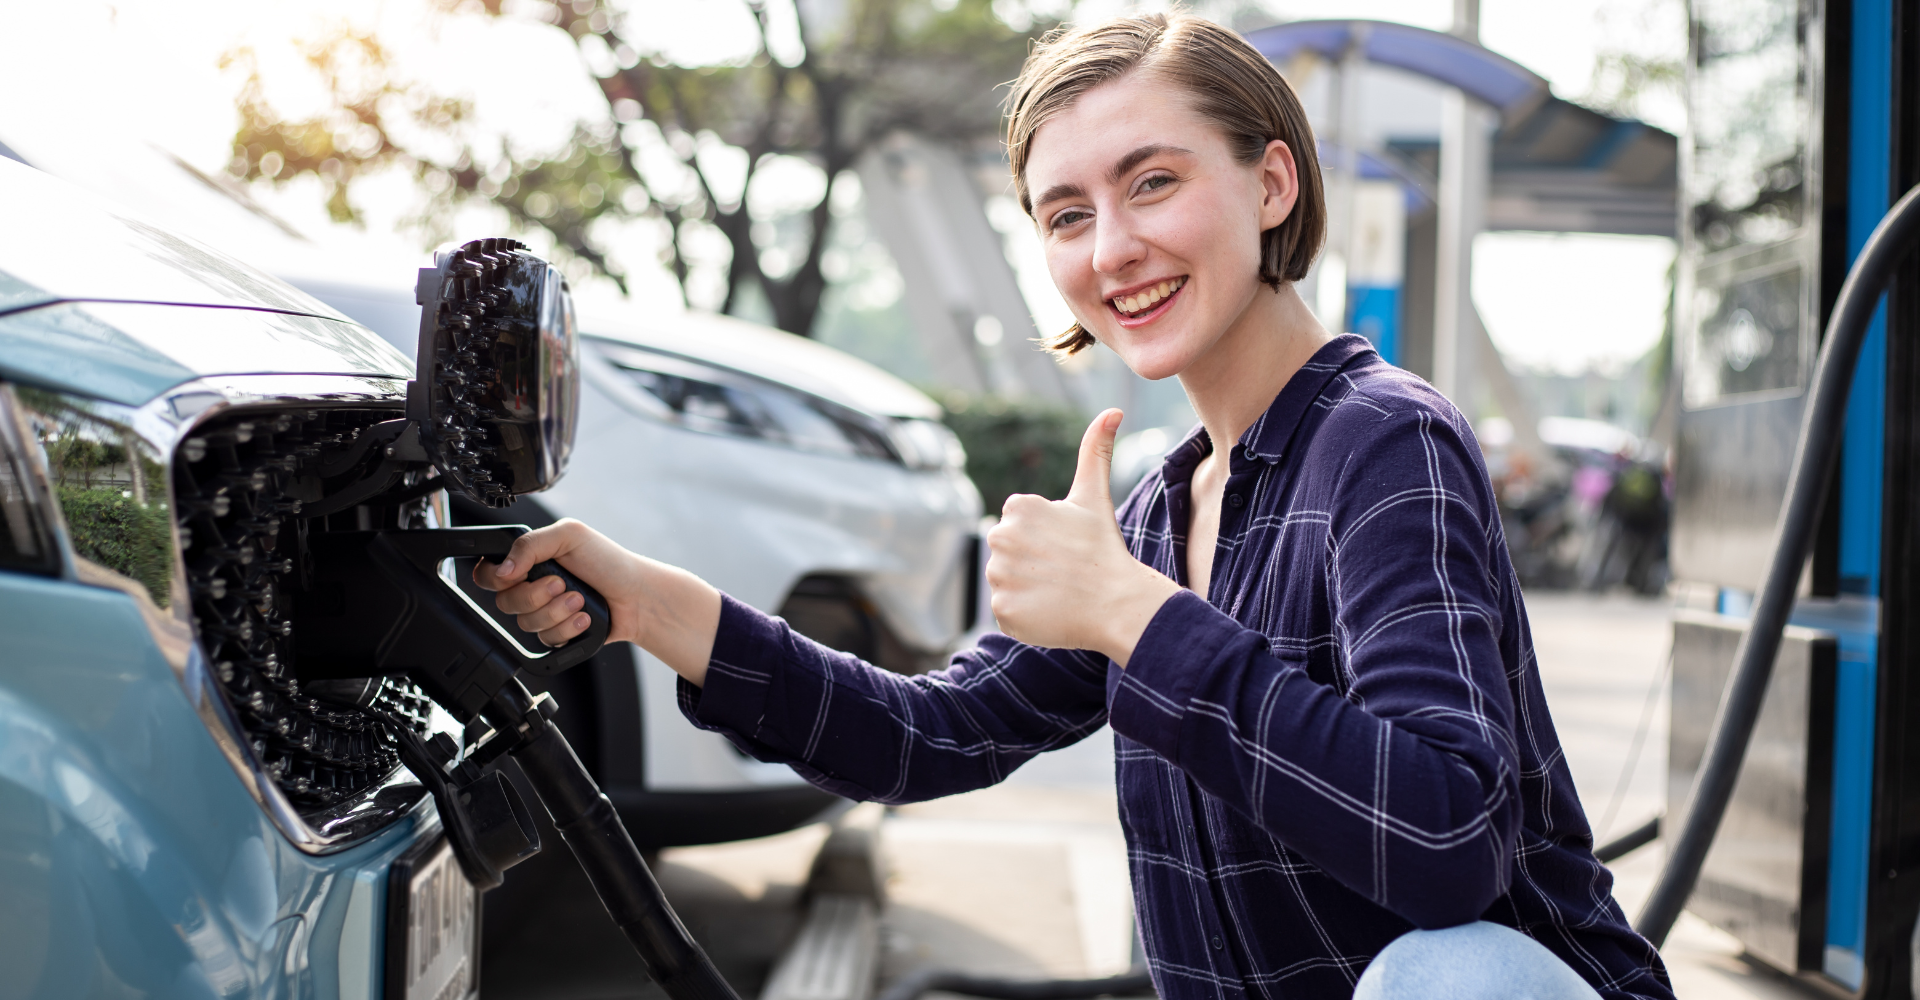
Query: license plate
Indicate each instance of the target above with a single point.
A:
(433, 927)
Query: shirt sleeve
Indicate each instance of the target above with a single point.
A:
(868, 734)
(1405, 787)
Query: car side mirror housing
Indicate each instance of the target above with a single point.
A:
(496, 393)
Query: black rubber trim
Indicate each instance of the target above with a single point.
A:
(1133, 983)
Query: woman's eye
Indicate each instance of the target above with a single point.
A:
(1155, 183)
(1070, 217)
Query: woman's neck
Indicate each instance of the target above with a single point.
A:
(1238, 378)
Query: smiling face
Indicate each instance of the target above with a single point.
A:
(1152, 226)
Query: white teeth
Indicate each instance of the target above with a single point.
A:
(1141, 301)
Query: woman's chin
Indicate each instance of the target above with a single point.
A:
(1154, 362)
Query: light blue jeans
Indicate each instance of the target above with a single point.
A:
(1480, 961)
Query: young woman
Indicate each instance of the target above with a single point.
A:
(1337, 772)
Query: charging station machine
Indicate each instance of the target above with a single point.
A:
(1805, 122)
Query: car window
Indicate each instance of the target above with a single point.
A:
(26, 541)
(111, 489)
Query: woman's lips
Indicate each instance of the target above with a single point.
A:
(1131, 320)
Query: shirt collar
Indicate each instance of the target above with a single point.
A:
(1267, 438)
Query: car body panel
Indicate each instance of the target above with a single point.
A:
(125, 870)
(83, 249)
(143, 851)
(129, 353)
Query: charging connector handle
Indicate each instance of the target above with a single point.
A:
(1821, 425)
(588, 822)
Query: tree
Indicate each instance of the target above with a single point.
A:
(877, 67)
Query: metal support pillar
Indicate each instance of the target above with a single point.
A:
(1343, 176)
(1466, 171)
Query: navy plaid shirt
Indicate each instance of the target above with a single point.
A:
(1348, 741)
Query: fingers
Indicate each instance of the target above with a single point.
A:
(545, 606)
(560, 634)
(1092, 478)
(526, 598)
(529, 550)
(554, 614)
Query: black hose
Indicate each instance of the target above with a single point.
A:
(1821, 425)
(1629, 842)
(1133, 983)
(590, 826)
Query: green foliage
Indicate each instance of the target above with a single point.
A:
(1016, 446)
(132, 539)
(868, 68)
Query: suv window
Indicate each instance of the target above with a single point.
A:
(111, 488)
(26, 543)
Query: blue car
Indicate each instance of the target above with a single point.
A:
(179, 816)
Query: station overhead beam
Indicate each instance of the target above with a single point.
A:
(1556, 166)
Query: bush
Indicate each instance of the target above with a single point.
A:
(131, 539)
(1016, 446)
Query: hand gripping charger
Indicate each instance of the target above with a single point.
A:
(493, 409)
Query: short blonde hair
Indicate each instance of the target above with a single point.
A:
(1234, 87)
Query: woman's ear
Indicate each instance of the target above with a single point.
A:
(1279, 183)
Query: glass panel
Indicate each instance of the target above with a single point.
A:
(111, 488)
(1750, 121)
(1749, 336)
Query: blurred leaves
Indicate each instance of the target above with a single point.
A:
(1630, 69)
(353, 138)
(680, 145)
(1621, 80)
(1015, 446)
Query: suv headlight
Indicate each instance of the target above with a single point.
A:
(714, 400)
(927, 444)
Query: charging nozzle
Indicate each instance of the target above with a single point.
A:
(376, 604)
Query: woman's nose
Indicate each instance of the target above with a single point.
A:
(1116, 247)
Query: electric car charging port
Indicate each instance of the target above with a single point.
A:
(252, 488)
(259, 492)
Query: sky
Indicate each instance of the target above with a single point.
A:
(148, 71)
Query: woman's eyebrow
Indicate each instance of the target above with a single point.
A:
(1139, 156)
(1059, 191)
(1126, 163)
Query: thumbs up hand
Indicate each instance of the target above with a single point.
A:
(1060, 573)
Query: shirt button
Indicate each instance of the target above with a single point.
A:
(1234, 500)
(1217, 943)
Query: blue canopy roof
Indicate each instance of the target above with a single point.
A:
(1508, 86)
(1557, 167)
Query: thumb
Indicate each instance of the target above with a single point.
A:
(1093, 478)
